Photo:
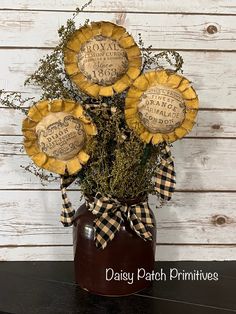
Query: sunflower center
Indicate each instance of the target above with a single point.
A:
(102, 60)
(60, 135)
(161, 109)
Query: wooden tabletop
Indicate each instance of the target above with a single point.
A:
(48, 287)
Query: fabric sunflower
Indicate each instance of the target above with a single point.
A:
(161, 106)
(102, 58)
(55, 135)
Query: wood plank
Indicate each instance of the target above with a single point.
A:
(203, 68)
(195, 253)
(162, 31)
(204, 164)
(32, 218)
(44, 253)
(201, 164)
(193, 218)
(163, 253)
(208, 124)
(170, 6)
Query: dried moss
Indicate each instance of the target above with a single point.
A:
(120, 164)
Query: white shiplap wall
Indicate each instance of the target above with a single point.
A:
(200, 222)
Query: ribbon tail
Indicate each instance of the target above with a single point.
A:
(165, 179)
(105, 228)
(137, 225)
(67, 212)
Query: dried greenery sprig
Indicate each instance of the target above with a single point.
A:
(168, 58)
(44, 176)
(14, 100)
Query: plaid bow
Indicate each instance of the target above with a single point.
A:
(111, 213)
(165, 177)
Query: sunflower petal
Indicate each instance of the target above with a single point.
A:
(127, 42)
(87, 32)
(131, 102)
(161, 76)
(135, 62)
(28, 124)
(31, 150)
(174, 80)
(180, 132)
(28, 143)
(191, 114)
(189, 93)
(29, 135)
(90, 129)
(170, 137)
(141, 83)
(107, 28)
(73, 166)
(96, 28)
(85, 119)
(56, 105)
(146, 136)
(187, 124)
(83, 157)
(106, 91)
(70, 56)
(134, 93)
(34, 114)
(132, 52)
(78, 111)
(39, 159)
(74, 44)
(71, 68)
(151, 77)
(80, 36)
(93, 90)
(133, 72)
(43, 107)
(69, 105)
(130, 112)
(118, 32)
(157, 138)
(193, 104)
(184, 85)
(122, 84)
(55, 165)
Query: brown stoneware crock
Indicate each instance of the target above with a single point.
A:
(117, 269)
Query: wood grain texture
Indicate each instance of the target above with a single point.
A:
(163, 253)
(32, 218)
(195, 252)
(171, 6)
(208, 123)
(212, 74)
(163, 31)
(195, 225)
(201, 164)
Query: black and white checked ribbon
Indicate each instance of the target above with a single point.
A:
(110, 213)
(165, 179)
(67, 212)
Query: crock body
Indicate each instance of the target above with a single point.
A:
(117, 269)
